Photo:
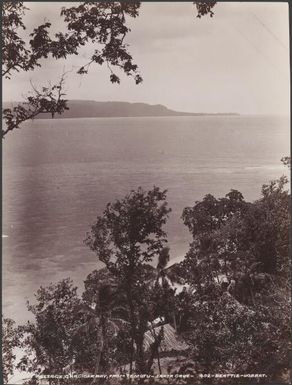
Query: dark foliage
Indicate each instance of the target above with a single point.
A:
(126, 238)
(48, 340)
(100, 23)
(11, 336)
(205, 8)
(238, 269)
(233, 312)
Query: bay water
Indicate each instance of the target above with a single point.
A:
(59, 174)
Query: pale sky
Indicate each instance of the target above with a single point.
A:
(237, 61)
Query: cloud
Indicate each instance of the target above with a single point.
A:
(242, 48)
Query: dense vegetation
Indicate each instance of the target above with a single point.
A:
(232, 315)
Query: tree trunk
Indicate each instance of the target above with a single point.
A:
(154, 349)
(174, 322)
(154, 352)
(158, 361)
(131, 355)
(50, 370)
(140, 360)
(98, 358)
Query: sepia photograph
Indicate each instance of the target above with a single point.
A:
(146, 193)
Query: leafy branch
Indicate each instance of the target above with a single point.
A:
(47, 100)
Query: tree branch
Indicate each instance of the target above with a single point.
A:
(48, 100)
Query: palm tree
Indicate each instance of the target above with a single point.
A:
(101, 321)
(162, 262)
(165, 278)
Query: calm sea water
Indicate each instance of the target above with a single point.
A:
(59, 174)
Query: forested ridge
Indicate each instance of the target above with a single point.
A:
(94, 109)
(224, 308)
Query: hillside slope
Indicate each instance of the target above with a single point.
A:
(93, 109)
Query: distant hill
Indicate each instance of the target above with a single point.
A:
(93, 109)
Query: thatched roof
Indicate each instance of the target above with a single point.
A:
(170, 342)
